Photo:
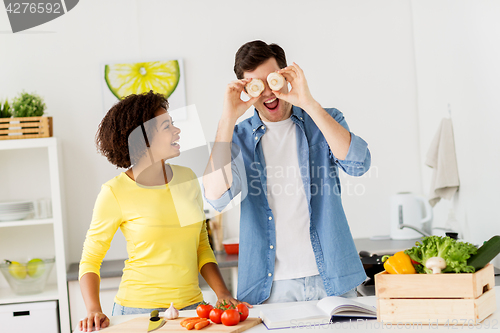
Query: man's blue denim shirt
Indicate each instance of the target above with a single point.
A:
(336, 257)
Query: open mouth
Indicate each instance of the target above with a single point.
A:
(272, 104)
(176, 144)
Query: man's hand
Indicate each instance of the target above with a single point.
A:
(337, 137)
(299, 95)
(234, 107)
(97, 319)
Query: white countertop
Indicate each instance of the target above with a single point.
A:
(492, 321)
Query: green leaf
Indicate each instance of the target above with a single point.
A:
(5, 109)
(454, 252)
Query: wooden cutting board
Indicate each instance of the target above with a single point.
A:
(140, 325)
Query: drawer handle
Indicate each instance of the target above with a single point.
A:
(21, 313)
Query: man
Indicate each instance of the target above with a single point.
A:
(295, 242)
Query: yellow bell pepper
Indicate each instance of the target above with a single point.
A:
(399, 263)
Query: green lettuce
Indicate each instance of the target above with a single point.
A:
(454, 252)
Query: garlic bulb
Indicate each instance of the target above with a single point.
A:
(171, 312)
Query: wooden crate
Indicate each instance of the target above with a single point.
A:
(445, 299)
(25, 128)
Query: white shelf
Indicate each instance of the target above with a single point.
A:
(59, 290)
(27, 143)
(20, 223)
(50, 293)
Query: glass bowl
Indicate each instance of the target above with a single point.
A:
(26, 278)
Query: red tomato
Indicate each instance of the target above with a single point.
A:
(215, 315)
(230, 317)
(243, 310)
(203, 310)
(225, 305)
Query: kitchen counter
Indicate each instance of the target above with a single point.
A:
(383, 246)
(114, 268)
(492, 321)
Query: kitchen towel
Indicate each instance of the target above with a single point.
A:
(442, 158)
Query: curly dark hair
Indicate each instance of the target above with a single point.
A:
(252, 54)
(133, 112)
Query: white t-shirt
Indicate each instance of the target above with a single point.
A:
(288, 202)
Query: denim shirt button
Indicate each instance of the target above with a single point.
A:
(271, 247)
(270, 218)
(269, 274)
(263, 127)
(256, 138)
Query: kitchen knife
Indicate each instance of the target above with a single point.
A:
(155, 322)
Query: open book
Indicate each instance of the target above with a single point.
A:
(312, 313)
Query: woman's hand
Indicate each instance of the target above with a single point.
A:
(229, 299)
(299, 95)
(234, 106)
(211, 273)
(89, 284)
(97, 319)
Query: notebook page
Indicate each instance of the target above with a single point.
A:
(303, 311)
(336, 304)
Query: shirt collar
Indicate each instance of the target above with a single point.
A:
(297, 114)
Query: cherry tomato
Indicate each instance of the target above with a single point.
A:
(230, 317)
(203, 310)
(243, 310)
(215, 315)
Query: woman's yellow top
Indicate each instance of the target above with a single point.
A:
(167, 241)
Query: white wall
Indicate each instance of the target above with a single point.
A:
(457, 51)
(358, 56)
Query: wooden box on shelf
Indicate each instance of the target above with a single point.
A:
(25, 128)
(430, 299)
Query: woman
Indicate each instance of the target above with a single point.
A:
(158, 208)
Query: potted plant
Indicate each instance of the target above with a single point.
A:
(23, 118)
(5, 109)
(28, 105)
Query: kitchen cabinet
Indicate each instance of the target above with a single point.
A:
(30, 168)
(22, 317)
(107, 293)
(111, 272)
